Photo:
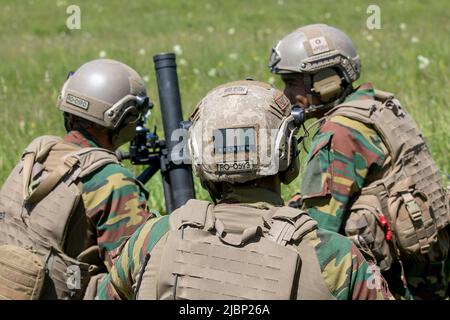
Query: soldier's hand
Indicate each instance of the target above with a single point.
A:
(295, 201)
(301, 101)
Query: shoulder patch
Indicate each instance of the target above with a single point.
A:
(282, 101)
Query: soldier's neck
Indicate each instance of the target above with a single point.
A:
(103, 140)
(264, 193)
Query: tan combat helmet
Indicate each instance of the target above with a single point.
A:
(242, 131)
(325, 55)
(108, 93)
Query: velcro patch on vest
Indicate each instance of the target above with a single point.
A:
(77, 101)
(282, 101)
(237, 90)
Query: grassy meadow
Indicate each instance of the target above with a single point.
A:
(215, 42)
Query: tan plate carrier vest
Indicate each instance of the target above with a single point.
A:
(408, 203)
(197, 259)
(48, 246)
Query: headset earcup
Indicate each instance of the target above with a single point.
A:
(327, 84)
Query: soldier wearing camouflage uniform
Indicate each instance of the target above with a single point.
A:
(69, 204)
(246, 245)
(369, 172)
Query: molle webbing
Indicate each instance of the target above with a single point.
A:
(207, 268)
(197, 261)
(41, 198)
(411, 158)
(410, 192)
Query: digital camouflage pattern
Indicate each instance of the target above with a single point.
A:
(221, 108)
(114, 200)
(345, 156)
(346, 274)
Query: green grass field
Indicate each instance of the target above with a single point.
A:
(217, 42)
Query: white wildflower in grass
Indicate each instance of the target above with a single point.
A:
(212, 72)
(327, 15)
(177, 49)
(403, 26)
(196, 71)
(280, 2)
(47, 77)
(22, 125)
(60, 3)
(369, 37)
(231, 31)
(210, 29)
(183, 62)
(3, 83)
(146, 78)
(102, 54)
(98, 8)
(233, 56)
(141, 51)
(271, 80)
(423, 62)
(414, 40)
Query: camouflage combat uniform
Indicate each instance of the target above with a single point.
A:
(68, 206)
(114, 200)
(345, 156)
(343, 270)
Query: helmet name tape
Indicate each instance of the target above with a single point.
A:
(235, 90)
(319, 45)
(238, 166)
(77, 102)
